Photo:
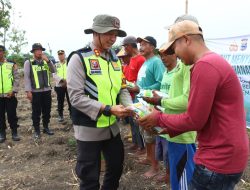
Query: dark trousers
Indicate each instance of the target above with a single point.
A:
(89, 163)
(61, 93)
(41, 103)
(205, 179)
(136, 134)
(8, 105)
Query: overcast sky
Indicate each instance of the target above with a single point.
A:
(61, 23)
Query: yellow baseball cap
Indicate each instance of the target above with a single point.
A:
(178, 30)
(121, 53)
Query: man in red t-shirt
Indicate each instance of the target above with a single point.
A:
(136, 61)
(215, 110)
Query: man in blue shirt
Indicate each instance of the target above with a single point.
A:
(149, 78)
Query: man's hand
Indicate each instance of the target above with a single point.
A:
(45, 58)
(135, 89)
(120, 111)
(29, 95)
(163, 131)
(63, 83)
(10, 94)
(149, 121)
(155, 100)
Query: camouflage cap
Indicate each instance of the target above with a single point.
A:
(105, 23)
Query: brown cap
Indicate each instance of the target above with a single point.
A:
(178, 30)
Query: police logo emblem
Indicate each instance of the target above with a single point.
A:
(243, 46)
(116, 23)
(94, 66)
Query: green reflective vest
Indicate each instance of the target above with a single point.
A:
(6, 77)
(40, 77)
(103, 83)
(61, 69)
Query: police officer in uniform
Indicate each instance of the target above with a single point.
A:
(95, 90)
(38, 89)
(61, 84)
(9, 82)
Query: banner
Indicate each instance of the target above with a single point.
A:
(236, 51)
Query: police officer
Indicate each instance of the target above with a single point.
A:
(9, 82)
(61, 84)
(95, 87)
(37, 86)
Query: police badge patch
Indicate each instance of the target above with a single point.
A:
(95, 66)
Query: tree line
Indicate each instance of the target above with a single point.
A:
(11, 36)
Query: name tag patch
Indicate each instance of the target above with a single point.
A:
(9, 67)
(115, 66)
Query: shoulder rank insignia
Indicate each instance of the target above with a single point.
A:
(97, 52)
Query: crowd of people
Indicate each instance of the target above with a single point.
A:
(37, 76)
(203, 141)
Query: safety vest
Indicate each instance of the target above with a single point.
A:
(6, 77)
(40, 74)
(61, 69)
(103, 83)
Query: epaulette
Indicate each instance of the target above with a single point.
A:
(86, 49)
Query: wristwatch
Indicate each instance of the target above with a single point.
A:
(107, 111)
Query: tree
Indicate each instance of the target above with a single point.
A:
(19, 59)
(4, 18)
(17, 38)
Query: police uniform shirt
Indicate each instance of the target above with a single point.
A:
(27, 79)
(16, 78)
(76, 78)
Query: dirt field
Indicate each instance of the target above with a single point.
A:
(48, 164)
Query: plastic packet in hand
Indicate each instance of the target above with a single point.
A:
(130, 84)
(162, 94)
(148, 93)
(140, 109)
(145, 93)
(158, 130)
(160, 109)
